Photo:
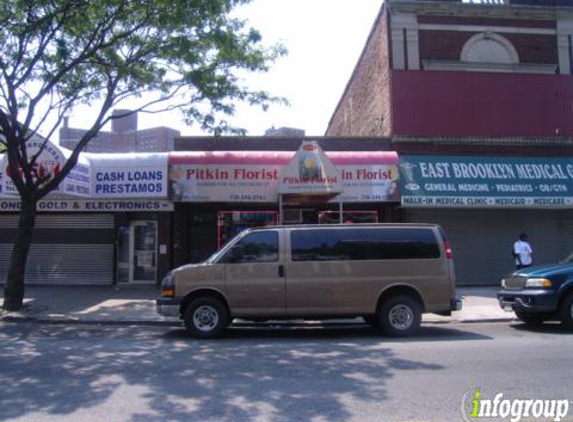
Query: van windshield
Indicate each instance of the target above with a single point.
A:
(215, 257)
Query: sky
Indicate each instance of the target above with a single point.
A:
(324, 39)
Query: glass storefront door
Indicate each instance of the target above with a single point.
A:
(136, 252)
(123, 254)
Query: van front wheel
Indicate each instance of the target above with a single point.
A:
(206, 317)
(400, 316)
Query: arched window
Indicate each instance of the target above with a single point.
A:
(488, 47)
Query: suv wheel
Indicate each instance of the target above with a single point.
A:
(529, 318)
(566, 312)
(400, 316)
(206, 317)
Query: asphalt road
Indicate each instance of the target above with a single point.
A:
(52, 372)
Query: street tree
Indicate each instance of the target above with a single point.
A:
(191, 55)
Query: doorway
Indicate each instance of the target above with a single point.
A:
(137, 252)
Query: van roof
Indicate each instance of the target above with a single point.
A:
(322, 226)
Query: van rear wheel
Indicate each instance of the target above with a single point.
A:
(206, 317)
(400, 316)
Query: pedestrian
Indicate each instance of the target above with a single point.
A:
(522, 252)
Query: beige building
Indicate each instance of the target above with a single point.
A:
(123, 137)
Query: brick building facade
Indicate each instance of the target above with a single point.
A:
(451, 68)
(478, 86)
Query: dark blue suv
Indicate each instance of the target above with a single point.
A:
(540, 293)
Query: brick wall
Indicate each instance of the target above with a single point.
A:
(481, 104)
(364, 109)
(442, 45)
(447, 45)
(540, 3)
(486, 21)
(381, 102)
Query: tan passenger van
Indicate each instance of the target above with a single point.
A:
(389, 274)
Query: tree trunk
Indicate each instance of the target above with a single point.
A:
(14, 288)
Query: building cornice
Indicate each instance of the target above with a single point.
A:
(487, 141)
(527, 68)
(459, 9)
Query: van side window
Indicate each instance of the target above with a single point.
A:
(254, 247)
(361, 244)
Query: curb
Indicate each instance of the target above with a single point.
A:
(71, 321)
(472, 321)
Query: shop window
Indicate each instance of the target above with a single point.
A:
(231, 223)
(333, 217)
(123, 254)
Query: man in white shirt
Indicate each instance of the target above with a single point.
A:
(522, 252)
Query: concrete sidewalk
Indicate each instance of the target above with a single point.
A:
(136, 305)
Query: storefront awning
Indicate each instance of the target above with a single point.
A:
(253, 176)
(95, 176)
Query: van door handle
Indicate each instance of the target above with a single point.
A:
(281, 270)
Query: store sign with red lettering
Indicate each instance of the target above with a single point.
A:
(310, 172)
(223, 179)
(49, 163)
(254, 176)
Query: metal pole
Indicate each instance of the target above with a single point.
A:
(280, 208)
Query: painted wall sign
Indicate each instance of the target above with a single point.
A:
(456, 181)
(253, 176)
(65, 205)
